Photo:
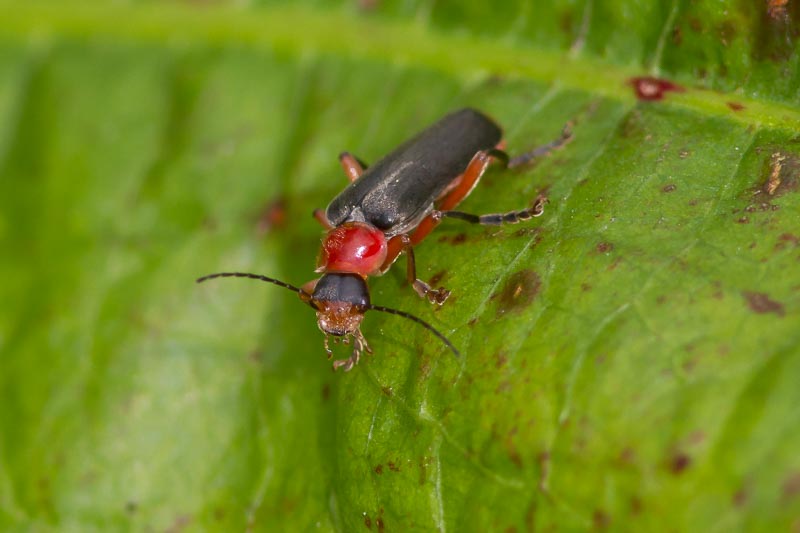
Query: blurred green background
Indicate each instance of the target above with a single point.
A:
(631, 358)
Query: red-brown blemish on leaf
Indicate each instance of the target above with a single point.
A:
(461, 238)
(179, 524)
(367, 521)
(669, 187)
(604, 247)
(600, 519)
(776, 9)
(272, 216)
(736, 106)
(379, 523)
(379, 469)
(650, 88)
(544, 468)
(519, 291)
(791, 486)
(424, 463)
(740, 497)
(761, 303)
(326, 392)
(787, 239)
(743, 220)
(585, 287)
(627, 456)
(501, 358)
(392, 466)
(437, 278)
(679, 463)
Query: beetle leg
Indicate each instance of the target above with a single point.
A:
(495, 219)
(539, 151)
(403, 243)
(467, 181)
(322, 218)
(352, 166)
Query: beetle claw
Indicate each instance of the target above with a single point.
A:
(438, 296)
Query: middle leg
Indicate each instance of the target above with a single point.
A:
(402, 243)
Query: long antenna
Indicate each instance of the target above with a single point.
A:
(418, 321)
(280, 283)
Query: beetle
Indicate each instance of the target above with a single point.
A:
(390, 207)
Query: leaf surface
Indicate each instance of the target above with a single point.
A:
(630, 359)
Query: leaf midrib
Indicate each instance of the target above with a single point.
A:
(299, 29)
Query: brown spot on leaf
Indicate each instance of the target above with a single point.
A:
(650, 88)
(762, 303)
(627, 456)
(179, 524)
(326, 392)
(437, 278)
(781, 175)
(669, 187)
(600, 519)
(727, 32)
(367, 521)
(271, 216)
(776, 31)
(519, 291)
(387, 391)
(743, 220)
(787, 239)
(776, 9)
(791, 486)
(585, 287)
(740, 497)
(461, 238)
(677, 35)
(679, 463)
(604, 247)
(736, 106)
(379, 523)
(393, 467)
(379, 469)
(500, 359)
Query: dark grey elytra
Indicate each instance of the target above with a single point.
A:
(398, 191)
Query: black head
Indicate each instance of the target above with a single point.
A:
(349, 288)
(341, 301)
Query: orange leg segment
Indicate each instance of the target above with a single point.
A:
(466, 182)
(351, 166)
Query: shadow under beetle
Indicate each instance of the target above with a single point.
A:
(390, 207)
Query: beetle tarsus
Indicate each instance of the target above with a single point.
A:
(496, 219)
(539, 151)
(434, 296)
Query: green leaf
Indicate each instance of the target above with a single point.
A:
(630, 359)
